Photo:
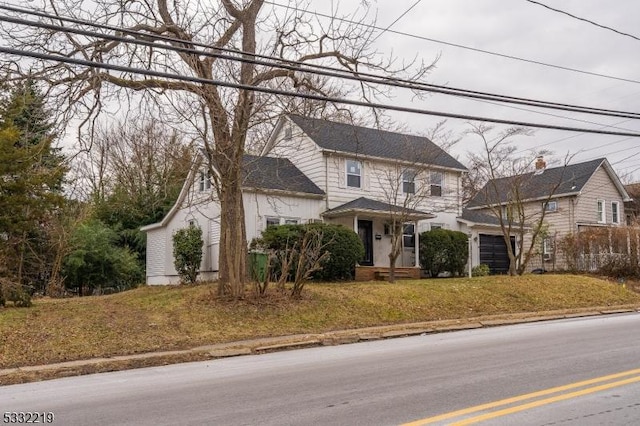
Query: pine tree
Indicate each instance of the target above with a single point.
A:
(31, 177)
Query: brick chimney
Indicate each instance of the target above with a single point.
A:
(540, 163)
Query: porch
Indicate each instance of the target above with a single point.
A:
(372, 220)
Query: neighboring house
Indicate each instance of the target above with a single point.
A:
(316, 170)
(576, 197)
(632, 207)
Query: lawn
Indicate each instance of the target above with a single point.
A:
(163, 318)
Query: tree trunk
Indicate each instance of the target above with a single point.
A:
(233, 241)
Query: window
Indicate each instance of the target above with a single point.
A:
(205, 181)
(291, 221)
(436, 184)
(408, 182)
(408, 235)
(600, 212)
(354, 173)
(437, 226)
(273, 221)
(547, 248)
(550, 206)
(615, 212)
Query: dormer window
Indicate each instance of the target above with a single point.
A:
(354, 173)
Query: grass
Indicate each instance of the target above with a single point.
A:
(160, 318)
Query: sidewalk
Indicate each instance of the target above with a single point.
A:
(272, 344)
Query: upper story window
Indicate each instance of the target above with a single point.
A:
(550, 206)
(409, 182)
(600, 211)
(435, 180)
(205, 181)
(354, 173)
(615, 212)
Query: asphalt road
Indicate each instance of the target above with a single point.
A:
(559, 367)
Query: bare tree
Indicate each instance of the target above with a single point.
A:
(221, 117)
(508, 191)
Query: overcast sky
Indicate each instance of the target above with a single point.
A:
(526, 30)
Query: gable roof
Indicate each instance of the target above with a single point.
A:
(278, 174)
(561, 181)
(375, 207)
(341, 137)
(266, 173)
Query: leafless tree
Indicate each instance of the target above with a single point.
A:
(506, 194)
(221, 117)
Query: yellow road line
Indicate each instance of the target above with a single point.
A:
(546, 401)
(520, 398)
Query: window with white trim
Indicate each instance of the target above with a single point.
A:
(435, 181)
(354, 173)
(550, 206)
(600, 212)
(205, 181)
(409, 181)
(615, 212)
(408, 235)
(273, 221)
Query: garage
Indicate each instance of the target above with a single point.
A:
(493, 252)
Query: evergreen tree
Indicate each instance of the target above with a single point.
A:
(31, 177)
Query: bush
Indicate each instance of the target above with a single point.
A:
(344, 247)
(16, 293)
(481, 270)
(442, 250)
(97, 262)
(187, 253)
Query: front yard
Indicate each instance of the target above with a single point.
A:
(162, 318)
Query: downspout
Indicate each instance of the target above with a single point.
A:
(326, 181)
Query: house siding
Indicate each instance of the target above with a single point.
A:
(155, 252)
(599, 187)
(301, 151)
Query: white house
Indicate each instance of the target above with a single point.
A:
(318, 170)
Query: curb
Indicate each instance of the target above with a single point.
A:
(281, 343)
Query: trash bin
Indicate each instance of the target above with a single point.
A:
(257, 265)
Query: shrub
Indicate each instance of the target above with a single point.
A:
(481, 270)
(442, 250)
(16, 293)
(97, 262)
(344, 246)
(187, 253)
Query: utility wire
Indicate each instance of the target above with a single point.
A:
(461, 46)
(298, 66)
(583, 19)
(396, 21)
(126, 69)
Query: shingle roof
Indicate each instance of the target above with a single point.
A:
(568, 179)
(276, 174)
(362, 203)
(343, 137)
(478, 217)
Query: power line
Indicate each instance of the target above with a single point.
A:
(461, 46)
(298, 66)
(583, 19)
(396, 21)
(102, 65)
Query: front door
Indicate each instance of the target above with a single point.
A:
(365, 231)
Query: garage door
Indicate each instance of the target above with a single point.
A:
(493, 252)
